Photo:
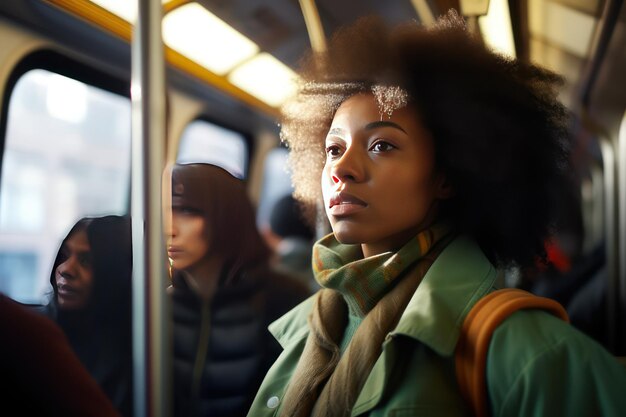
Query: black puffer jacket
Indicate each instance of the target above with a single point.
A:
(222, 348)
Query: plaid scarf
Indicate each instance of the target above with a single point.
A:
(378, 288)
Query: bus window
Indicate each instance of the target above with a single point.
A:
(206, 142)
(67, 155)
(276, 183)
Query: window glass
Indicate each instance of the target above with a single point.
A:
(276, 183)
(206, 142)
(67, 156)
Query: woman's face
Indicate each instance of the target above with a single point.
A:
(74, 275)
(187, 239)
(379, 182)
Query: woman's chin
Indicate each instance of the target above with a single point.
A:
(346, 237)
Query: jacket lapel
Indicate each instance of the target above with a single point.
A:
(459, 277)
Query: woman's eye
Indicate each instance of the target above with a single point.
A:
(185, 211)
(63, 255)
(333, 151)
(382, 146)
(85, 260)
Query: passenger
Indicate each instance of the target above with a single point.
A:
(291, 239)
(440, 157)
(91, 302)
(223, 293)
(40, 375)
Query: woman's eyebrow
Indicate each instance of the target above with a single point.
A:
(383, 123)
(336, 131)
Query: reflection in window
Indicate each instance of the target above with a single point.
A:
(205, 142)
(67, 155)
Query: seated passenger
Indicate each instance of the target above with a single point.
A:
(224, 294)
(40, 375)
(291, 239)
(91, 302)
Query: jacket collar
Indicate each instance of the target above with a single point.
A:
(458, 278)
(293, 326)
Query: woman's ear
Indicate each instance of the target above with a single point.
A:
(444, 188)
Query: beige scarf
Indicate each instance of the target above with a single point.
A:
(326, 383)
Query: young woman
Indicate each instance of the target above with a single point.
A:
(434, 159)
(223, 292)
(91, 301)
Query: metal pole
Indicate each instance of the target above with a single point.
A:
(621, 241)
(609, 150)
(611, 237)
(151, 312)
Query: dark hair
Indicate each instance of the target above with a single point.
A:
(112, 262)
(228, 212)
(498, 127)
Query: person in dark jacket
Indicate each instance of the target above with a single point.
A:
(224, 293)
(91, 302)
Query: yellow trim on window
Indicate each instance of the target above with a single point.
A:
(102, 18)
(174, 4)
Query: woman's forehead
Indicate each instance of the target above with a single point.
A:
(78, 239)
(381, 101)
(364, 109)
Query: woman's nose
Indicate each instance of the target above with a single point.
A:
(349, 168)
(67, 268)
(172, 228)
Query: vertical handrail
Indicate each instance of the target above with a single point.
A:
(151, 335)
(317, 39)
(611, 237)
(597, 225)
(621, 247)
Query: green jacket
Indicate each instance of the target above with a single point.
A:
(537, 364)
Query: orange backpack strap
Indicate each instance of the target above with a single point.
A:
(479, 325)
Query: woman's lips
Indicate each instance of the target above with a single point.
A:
(344, 204)
(65, 290)
(173, 251)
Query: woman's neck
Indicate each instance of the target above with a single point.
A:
(204, 276)
(394, 242)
